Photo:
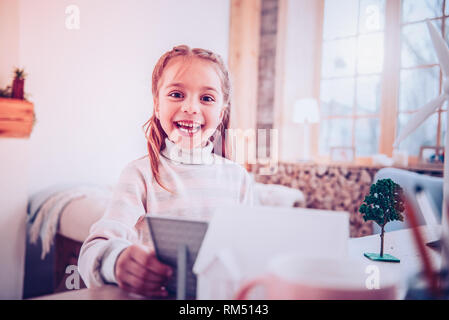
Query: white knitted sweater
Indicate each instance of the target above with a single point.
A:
(201, 180)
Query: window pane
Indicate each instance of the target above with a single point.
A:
(415, 10)
(339, 58)
(368, 94)
(416, 46)
(417, 87)
(372, 15)
(366, 136)
(340, 18)
(370, 53)
(425, 134)
(337, 97)
(335, 133)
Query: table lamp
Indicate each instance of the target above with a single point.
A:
(305, 112)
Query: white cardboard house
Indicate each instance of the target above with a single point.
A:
(240, 241)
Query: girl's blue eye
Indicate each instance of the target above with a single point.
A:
(176, 94)
(208, 99)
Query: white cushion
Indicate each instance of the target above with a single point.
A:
(278, 195)
(80, 214)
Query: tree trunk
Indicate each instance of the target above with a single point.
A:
(382, 242)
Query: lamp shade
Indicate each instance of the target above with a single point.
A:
(306, 111)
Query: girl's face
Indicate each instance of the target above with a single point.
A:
(190, 102)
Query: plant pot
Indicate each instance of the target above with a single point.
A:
(17, 88)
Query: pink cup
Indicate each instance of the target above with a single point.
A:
(293, 277)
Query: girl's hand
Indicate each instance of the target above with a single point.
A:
(139, 271)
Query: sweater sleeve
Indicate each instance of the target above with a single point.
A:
(115, 231)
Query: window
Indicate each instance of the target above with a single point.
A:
(420, 74)
(354, 62)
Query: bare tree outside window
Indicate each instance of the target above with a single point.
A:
(420, 78)
(352, 70)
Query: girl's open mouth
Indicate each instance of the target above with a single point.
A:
(188, 128)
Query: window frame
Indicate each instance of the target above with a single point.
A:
(440, 111)
(390, 85)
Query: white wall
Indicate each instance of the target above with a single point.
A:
(91, 87)
(9, 40)
(13, 202)
(14, 154)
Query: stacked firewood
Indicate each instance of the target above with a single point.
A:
(339, 188)
(335, 187)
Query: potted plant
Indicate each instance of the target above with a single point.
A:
(384, 203)
(18, 84)
(18, 117)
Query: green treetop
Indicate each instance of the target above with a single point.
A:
(384, 203)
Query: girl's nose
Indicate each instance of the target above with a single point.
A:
(190, 107)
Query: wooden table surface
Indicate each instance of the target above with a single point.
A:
(397, 243)
(400, 244)
(106, 292)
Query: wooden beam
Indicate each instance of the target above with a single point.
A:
(244, 36)
(390, 79)
(244, 39)
(315, 128)
(279, 71)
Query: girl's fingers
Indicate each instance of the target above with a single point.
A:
(149, 261)
(157, 267)
(139, 255)
(141, 272)
(140, 283)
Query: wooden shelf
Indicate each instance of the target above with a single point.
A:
(16, 118)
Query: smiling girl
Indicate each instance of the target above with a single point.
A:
(185, 174)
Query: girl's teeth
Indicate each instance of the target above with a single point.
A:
(189, 125)
(189, 130)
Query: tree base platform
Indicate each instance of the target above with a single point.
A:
(386, 257)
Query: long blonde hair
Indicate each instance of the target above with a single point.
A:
(154, 133)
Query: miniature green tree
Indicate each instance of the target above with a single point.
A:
(384, 203)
